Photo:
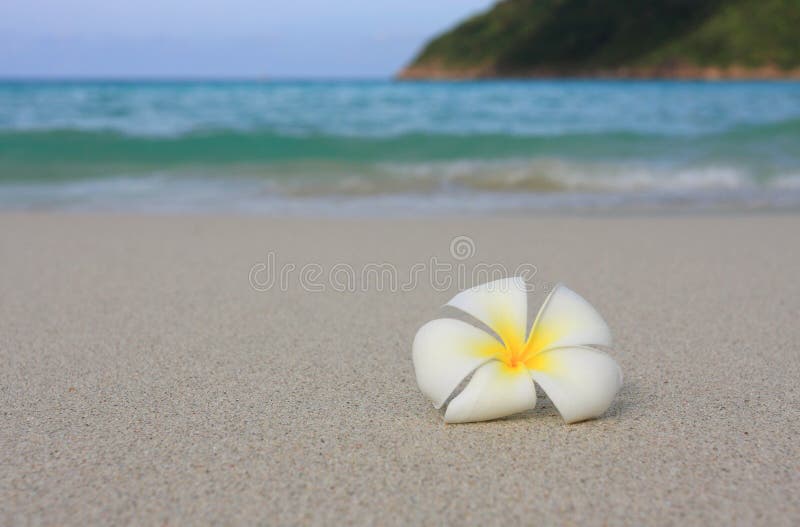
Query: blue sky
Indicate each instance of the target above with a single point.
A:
(300, 38)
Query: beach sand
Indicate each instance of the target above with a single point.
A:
(145, 381)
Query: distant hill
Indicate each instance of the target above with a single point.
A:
(619, 38)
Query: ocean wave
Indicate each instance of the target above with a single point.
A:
(53, 154)
(467, 178)
(544, 176)
(388, 109)
(166, 194)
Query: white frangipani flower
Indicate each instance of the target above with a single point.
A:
(580, 380)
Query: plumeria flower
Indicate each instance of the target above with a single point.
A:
(580, 380)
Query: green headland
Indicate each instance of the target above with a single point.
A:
(619, 38)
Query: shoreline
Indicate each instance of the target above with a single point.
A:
(678, 73)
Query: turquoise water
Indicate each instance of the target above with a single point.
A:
(385, 146)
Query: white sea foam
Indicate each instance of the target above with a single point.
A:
(553, 185)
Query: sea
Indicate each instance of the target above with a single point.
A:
(398, 148)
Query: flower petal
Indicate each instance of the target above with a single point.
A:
(567, 319)
(496, 390)
(445, 351)
(502, 305)
(581, 382)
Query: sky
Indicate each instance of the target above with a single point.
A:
(230, 38)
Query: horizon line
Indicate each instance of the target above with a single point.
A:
(263, 79)
(221, 77)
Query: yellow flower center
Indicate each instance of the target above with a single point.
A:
(519, 352)
(512, 354)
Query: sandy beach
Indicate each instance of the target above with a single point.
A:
(145, 381)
